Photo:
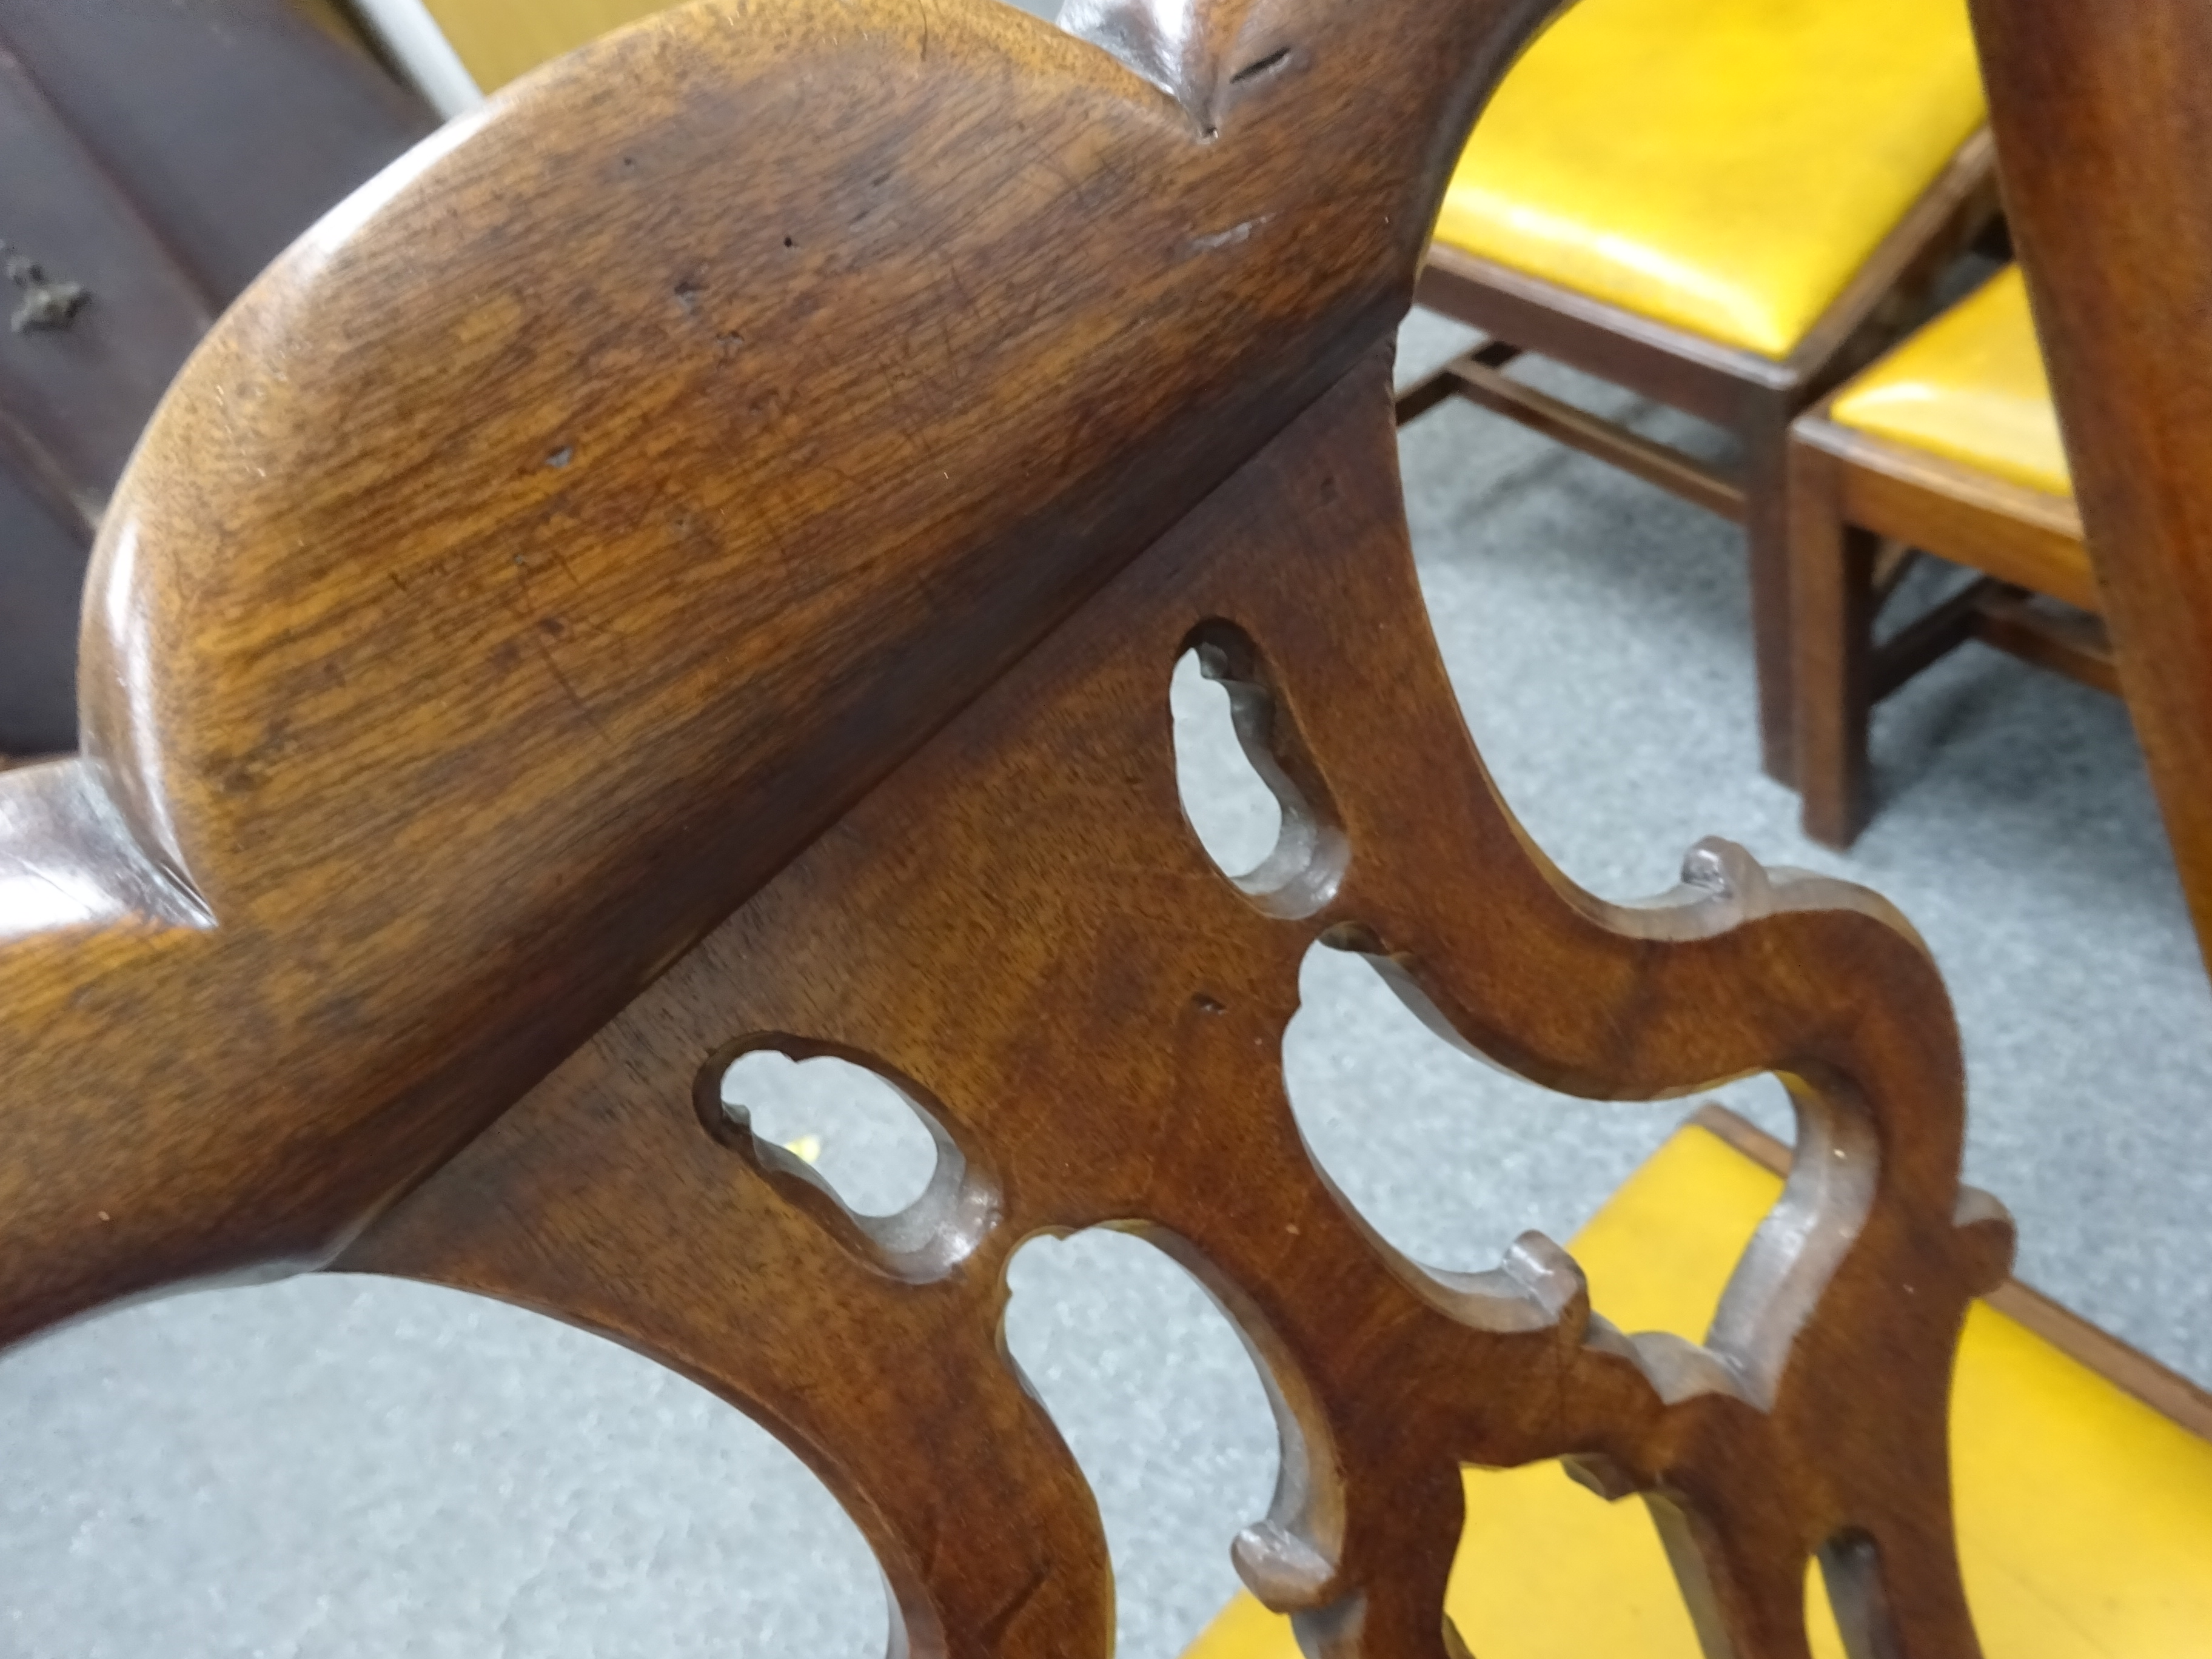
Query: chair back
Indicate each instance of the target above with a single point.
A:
(687, 562)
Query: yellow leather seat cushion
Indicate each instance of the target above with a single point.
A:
(1970, 388)
(499, 40)
(2085, 1517)
(1725, 166)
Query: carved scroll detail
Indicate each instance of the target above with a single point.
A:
(1019, 921)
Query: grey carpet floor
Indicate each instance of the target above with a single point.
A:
(336, 1467)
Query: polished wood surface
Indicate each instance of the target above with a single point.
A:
(2100, 118)
(573, 524)
(1019, 930)
(592, 612)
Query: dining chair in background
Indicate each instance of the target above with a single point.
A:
(1948, 445)
(1725, 206)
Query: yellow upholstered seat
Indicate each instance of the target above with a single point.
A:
(499, 40)
(2085, 1516)
(1970, 388)
(1724, 165)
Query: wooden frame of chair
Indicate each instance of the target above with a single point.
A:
(1754, 396)
(703, 629)
(1861, 508)
(2128, 1369)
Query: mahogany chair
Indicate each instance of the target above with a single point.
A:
(1725, 206)
(590, 612)
(1948, 445)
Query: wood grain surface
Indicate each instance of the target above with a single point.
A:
(1020, 931)
(596, 610)
(557, 538)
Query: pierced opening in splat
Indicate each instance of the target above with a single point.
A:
(1447, 1158)
(854, 1129)
(1846, 1575)
(1163, 1406)
(1249, 792)
(862, 1149)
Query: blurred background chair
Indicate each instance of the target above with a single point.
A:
(1725, 206)
(156, 156)
(376, 587)
(1948, 445)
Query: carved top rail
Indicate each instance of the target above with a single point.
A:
(684, 563)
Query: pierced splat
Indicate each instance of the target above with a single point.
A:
(1301, 870)
(1020, 921)
(918, 1240)
(449, 820)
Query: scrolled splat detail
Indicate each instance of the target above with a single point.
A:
(435, 888)
(1302, 870)
(1020, 921)
(926, 1238)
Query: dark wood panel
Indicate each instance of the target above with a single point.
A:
(156, 156)
(41, 574)
(232, 124)
(80, 392)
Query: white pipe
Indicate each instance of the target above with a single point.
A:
(413, 37)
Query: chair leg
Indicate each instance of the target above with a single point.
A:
(1766, 533)
(1831, 570)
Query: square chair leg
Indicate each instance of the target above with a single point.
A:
(1832, 594)
(1765, 433)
